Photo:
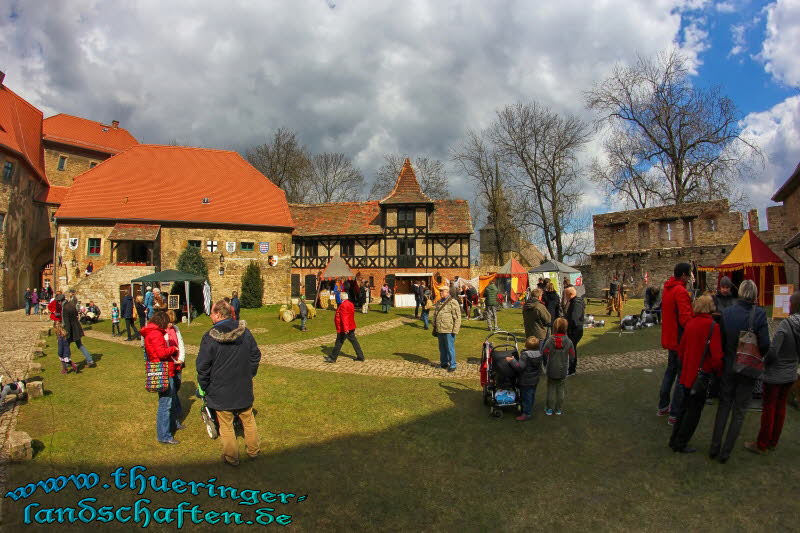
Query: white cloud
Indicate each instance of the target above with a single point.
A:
(738, 38)
(779, 51)
(725, 7)
(777, 132)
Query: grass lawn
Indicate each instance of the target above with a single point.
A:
(266, 326)
(412, 342)
(408, 455)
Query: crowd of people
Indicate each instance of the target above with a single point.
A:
(714, 345)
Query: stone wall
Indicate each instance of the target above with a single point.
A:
(24, 239)
(277, 278)
(78, 161)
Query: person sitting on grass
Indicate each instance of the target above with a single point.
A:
(345, 321)
(64, 353)
(529, 368)
(558, 353)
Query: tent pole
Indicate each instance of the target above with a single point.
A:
(188, 304)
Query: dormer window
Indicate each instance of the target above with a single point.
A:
(405, 217)
(206, 200)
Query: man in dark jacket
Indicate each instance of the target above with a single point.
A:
(535, 317)
(490, 299)
(576, 308)
(724, 297)
(126, 312)
(72, 325)
(416, 290)
(235, 305)
(676, 308)
(227, 362)
(737, 389)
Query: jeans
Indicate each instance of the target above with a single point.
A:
(555, 393)
(527, 395)
(84, 351)
(303, 323)
(425, 315)
(166, 417)
(340, 338)
(737, 390)
(130, 325)
(447, 350)
(773, 413)
(491, 317)
(227, 434)
(416, 308)
(27, 308)
(36, 309)
(671, 374)
(688, 418)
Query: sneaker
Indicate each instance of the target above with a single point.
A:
(91, 365)
(328, 359)
(753, 447)
(558, 411)
(451, 369)
(671, 420)
(663, 412)
(523, 418)
(171, 441)
(547, 411)
(74, 367)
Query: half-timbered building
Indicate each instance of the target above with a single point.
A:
(403, 237)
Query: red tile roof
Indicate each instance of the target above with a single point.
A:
(134, 232)
(406, 188)
(364, 218)
(52, 195)
(168, 183)
(788, 188)
(21, 130)
(85, 133)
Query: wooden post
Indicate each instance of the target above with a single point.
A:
(188, 304)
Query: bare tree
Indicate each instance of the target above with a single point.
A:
(477, 157)
(622, 175)
(431, 175)
(687, 138)
(286, 162)
(335, 179)
(541, 148)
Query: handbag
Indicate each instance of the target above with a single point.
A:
(156, 375)
(703, 379)
(749, 361)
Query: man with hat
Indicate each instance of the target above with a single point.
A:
(446, 325)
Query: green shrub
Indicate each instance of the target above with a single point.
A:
(252, 286)
(191, 261)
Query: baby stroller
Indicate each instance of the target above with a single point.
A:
(498, 378)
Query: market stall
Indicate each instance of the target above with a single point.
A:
(752, 259)
(512, 280)
(193, 296)
(556, 271)
(336, 270)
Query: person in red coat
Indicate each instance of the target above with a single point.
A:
(345, 321)
(676, 310)
(55, 307)
(158, 349)
(701, 343)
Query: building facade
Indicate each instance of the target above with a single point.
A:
(402, 237)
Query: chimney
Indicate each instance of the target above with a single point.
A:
(752, 219)
(2, 77)
(115, 124)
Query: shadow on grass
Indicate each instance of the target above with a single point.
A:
(414, 358)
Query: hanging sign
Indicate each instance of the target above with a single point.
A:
(230, 247)
(263, 247)
(73, 243)
(211, 246)
(273, 260)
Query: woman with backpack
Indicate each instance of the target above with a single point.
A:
(737, 388)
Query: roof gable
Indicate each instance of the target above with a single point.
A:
(406, 188)
(170, 183)
(789, 187)
(85, 133)
(21, 129)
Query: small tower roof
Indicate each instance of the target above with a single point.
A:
(406, 189)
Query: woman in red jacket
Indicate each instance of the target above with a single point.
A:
(158, 349)
(700, 347)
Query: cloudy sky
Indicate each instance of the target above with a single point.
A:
(370, 77)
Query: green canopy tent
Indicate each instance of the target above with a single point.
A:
(555, 271)
(172, 276)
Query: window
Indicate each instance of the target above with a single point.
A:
(8, 171)
(712, 224)
(311, 249)
(405, 217)
(406, 250)
(247, 246)
(62, 162)
(93, 164)
(194, 244)
(348, 247)
(94, 247)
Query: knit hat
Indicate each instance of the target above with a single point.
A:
(725, 281)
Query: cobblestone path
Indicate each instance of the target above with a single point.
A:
(289, 355)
